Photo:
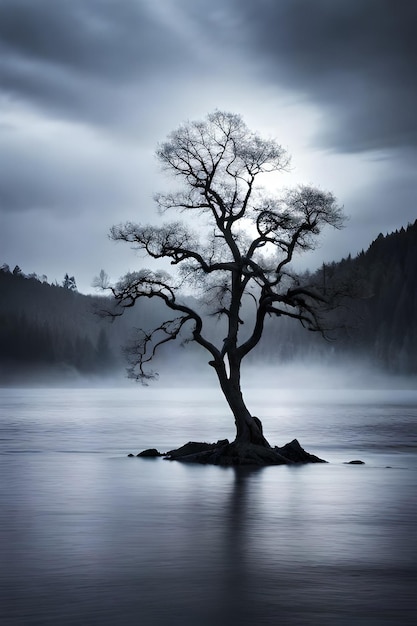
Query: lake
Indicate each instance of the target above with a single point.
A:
(90, 536)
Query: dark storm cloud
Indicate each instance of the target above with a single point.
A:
(79, 57)
(356, 59)
(94, 37)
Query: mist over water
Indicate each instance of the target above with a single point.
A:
(90, 536)
(338, 381)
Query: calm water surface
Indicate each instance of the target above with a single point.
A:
(90, 536)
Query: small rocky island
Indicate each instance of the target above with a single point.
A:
(235, 454)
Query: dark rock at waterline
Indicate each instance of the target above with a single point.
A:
(150, 453)
(355, 462)
(194, 447)
(295, 453)
(238, 454)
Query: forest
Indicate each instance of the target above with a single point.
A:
(51, 329)
(378, 323)
(48, 327)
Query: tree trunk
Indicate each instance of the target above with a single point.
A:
(248, 427)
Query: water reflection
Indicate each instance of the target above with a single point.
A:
(235, 587)
(102, 541)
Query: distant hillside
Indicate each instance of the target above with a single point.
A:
(46, 326)
(54, 328)
(387, 326)
(378, 324)
(53, 332)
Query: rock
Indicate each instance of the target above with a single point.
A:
(295, 453)
(193, 448)
(238, 454)
(355, 462)
(222, 442)
(149, 453)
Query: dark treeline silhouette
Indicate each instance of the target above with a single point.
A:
(48, 328)
(378, 323)
(51, 331)
(386, 324)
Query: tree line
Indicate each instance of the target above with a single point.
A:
(386, 326)
(54, 326)
(378, 323)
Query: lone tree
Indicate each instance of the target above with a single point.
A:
(243, 249)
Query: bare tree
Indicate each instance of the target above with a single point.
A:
(244, 247)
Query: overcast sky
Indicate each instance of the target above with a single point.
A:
(89, 87)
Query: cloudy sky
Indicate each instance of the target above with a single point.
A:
(89, 87)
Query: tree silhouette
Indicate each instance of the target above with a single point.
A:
(69, 283)
(239, 252)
